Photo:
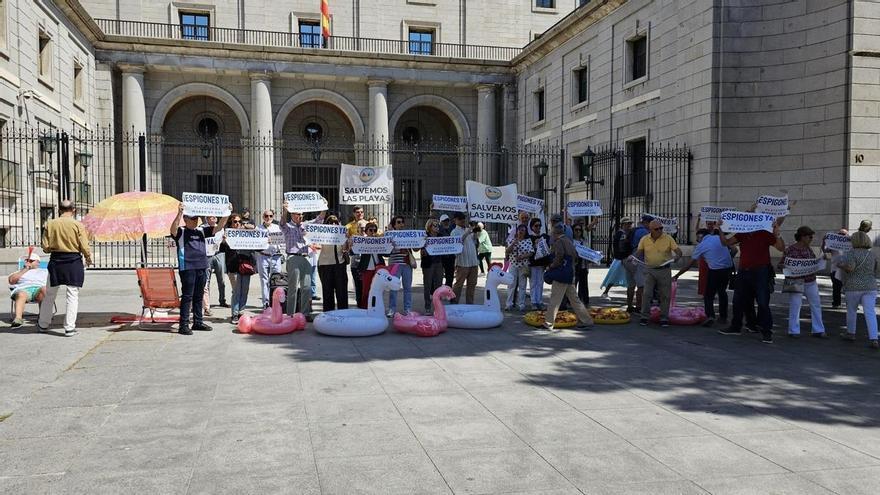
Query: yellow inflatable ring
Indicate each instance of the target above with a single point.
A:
(564, 319)
(609, 316)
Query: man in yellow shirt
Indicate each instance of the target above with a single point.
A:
(352, 226)
(67, 244)
(659, 251)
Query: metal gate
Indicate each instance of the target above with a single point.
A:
(638, 179)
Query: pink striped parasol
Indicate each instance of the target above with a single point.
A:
(131, 215)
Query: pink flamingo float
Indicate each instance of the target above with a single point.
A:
(679, 316)
(272, 321)
(426, 326)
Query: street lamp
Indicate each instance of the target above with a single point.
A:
(206, 150)
(316, 150)
(587, 160)
(85, 159)
(47, 143)
(541, 170)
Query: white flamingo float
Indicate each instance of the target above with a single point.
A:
(361, 322)
(272, 321)
(486, 315)
(426, 326)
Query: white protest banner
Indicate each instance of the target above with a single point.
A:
(319, 233)
(276, 238)
(838, 242)
(712, 213)
(670, 225)
(365, 185)
(583, 208)
(491, 204)
(588, 254)
(449, 203)
(212, 244)
(529, 204)
(371, 245)
(304, 202)
(542, 250)
(205, 205)
(740, 222)
(247, 239)
(438, 246)
(407, 239)
(800, 268)
(772, 205)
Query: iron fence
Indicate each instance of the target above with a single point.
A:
(281, 39)
(39, 167)
(640, 179)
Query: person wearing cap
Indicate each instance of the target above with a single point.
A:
(484, 247)
(299, 265)
(558, 219)
(27, 285)
(809, 288)
(636, 271)
(658, 249)
(192, 263)
(448, 260)
(719, 262)
(66, 242)
(466, 262)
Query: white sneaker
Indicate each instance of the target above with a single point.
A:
(606, 297)
(70, 333)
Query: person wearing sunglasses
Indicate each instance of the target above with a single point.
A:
(269, 259)
(299, 265)
(368, 265)
(799, 287)
(404, 258)
(238, 282)
(27, 285)
(659, 250)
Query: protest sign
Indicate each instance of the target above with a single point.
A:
(247, 239)
(588, 254)
(491, 204)
(304, 202)
(449, 203)
(439, 246)
(583, 208)
(838, 242)
(772, 205)
(542, 249)
(276, 238)
(365, 185)
(205, 205)
(529, 204)
(212, 244)
(319, 233)
(371, 245)
(740, 222)
(712, 213)
(670, 225)
(407, 239)
(799, 268)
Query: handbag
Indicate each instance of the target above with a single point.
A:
(793, 286)
(246, 265)
(563, 273)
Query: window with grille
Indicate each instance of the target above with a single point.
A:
(195, 26)
(581, 85)
(539, 105)
(637, 51)
(310, 34)
(636, 172)
(421, 41)
(545, 4)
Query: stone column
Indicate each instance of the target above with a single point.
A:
(487, 138)
(378, 139)
(134, 124)
(262, 191)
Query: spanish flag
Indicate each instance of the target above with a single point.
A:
(325, 18)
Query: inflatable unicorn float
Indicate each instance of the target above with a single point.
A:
(426, 326)
(272, 321)
(361, 322)
(486, 315)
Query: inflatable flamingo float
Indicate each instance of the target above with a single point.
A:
(679, 316)
(426, 326)
(272, 321)
(486, 315)
(361, 322)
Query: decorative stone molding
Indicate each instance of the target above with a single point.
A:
(187, 90)
(326, 96)
(450, 109)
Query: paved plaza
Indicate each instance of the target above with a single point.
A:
(620, 409)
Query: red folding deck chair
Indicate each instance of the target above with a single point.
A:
(159, 292)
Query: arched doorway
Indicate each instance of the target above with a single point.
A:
(201, 149)
(426, 158)
(318, 137)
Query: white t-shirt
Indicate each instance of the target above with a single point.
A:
(37, 276)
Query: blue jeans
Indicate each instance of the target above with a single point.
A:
(266, 266)
(240, 285)
(753, 285)
(405, 272)
(536, 276)
(315, 281)
(192, 294)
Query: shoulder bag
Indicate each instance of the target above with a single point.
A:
(563, 273)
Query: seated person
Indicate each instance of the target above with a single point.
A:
(27, 285)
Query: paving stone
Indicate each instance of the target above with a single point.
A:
(561, 428)
(706, 457)
(252, 480)
(137, 453)
(347, 440)
(800, 450)
(440, 407)
(256, 444)
(497, 471)
(467, 433)
(778, 484)
(418, 383)
(651, 488)
(350, 409)
(645, 422)
(32, 485)
(164, 481)
(606, 463)
(54, 422)
(410, 473)
(853, 481)
(46, 455)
